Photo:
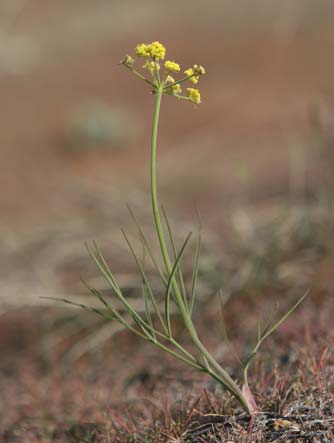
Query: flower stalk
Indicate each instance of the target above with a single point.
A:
(218, 373)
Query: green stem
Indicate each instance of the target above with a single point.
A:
(222, 376)
(154, 196)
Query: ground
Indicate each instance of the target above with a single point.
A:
(255, 158)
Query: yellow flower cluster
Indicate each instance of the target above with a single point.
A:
(155, 50)
(176, 89)
(199, 70)
(154, 53)
(190, 73)
(170, 79)
(151, 66)
(194, 73)
(142, 50)
(194, 95)
(172, 66)
(128, 61)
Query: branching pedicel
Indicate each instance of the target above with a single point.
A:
(155, 325)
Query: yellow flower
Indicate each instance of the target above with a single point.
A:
(154, 53)
(157, 50)
(172, 66)
(176, 89)
(194, 95)
(151, 66)
(170, 79)
(194, 73)
(143, 50)
(128, 61)
(199, 70)
(189, 72)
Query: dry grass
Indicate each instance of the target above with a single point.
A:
(79, 399)
(298, 409)
(100, 400)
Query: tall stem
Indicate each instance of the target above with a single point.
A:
(154, 195)
(222, 376)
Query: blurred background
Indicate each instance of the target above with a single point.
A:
(256, 157)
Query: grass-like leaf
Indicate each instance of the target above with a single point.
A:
(172, 242)
(169, 285)
(147, 309)
(224, 330)
(267, 332)
(196, 264)
(104, 269)
(145, 280)
(147, 246)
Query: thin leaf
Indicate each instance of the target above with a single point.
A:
(80, 305)
(196, 265)
(97, 294)
(172, 241)
(104, 269)
(282, 320)
(224, 330)
(259, 330)
(147, 246)
(269, 332)
(147, 310)
(169, 285)
(191, 362)
(270, 319)
(145, 280)
(108, 305)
